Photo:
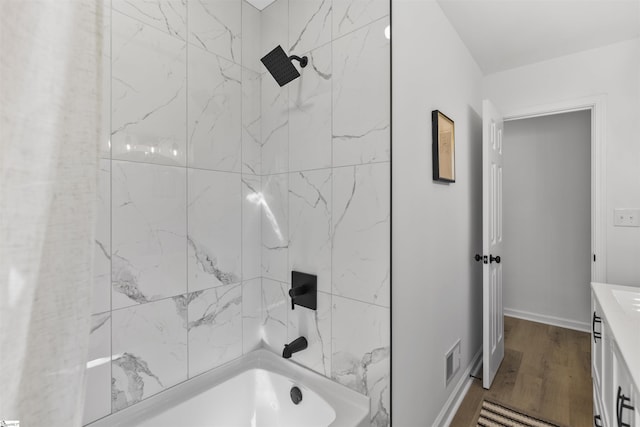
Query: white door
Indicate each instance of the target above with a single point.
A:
(492, 310)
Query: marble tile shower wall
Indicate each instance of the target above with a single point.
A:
(326, 190)
(178, 233)
(215, 183)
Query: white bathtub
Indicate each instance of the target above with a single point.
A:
(253, 391)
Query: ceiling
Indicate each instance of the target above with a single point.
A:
(260, 4)
(503, 34)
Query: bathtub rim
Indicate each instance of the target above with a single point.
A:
(338, 396)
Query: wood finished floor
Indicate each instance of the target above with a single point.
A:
(546, 373)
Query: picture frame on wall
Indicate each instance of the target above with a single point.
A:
(444, 147)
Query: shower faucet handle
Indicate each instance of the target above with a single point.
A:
(304, 290)
(297, 292)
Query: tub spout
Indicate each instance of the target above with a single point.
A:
(295, 346)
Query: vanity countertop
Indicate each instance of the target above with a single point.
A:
(621, 307)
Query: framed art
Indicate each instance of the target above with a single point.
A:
(444, 147)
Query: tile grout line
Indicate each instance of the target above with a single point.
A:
(173, 296)
(187, 192)
(110, 207)
(251, 174)
(288, 183)
(332, 206)
(242, 204)
(335, 295)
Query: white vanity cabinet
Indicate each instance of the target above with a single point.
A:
(623, 395)
(615, 355)
(598, 335)
(597, 339)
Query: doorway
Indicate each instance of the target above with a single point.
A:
(593, 144)
(547, 218)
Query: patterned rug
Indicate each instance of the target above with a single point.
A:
(494, 415)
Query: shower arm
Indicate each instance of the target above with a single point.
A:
(303, 61)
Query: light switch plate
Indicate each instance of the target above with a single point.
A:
(626, 217)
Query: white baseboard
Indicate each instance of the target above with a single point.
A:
(549, 320)
(456, 397)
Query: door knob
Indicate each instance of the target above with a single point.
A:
(494, 258)
(478, 257)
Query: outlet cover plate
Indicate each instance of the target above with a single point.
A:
(626, 217)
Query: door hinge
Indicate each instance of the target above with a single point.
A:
(594, 257)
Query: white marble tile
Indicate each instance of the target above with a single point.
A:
(148, 94)
(309, 24)
(106, 28)
(104, 145)
(169, 16)
(310, 225)
(149, 243)
(275, 234)
(215, 327)
(361, 349)
(215, 25)
(251, 227)
(275, 307)
(274, 126)
(214, 112)
(315, 326)
(149, 350)
(251, 315)
(361, 96)
(97, 403)
(274, 99)
(251, 31)
(274, 28)
(310, 114)
(101, 298)
(361, 241)
(349, 15)
(214, 230)
(251, 123)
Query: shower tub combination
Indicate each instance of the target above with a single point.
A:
(256, 390)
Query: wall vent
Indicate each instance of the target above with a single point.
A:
(452, 362)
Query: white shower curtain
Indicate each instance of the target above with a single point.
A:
(49, 127)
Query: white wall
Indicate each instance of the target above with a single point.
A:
(615, 71)
(547, 218)
(437, 228)
(437, 289)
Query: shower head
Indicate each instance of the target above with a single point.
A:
(280, 66)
